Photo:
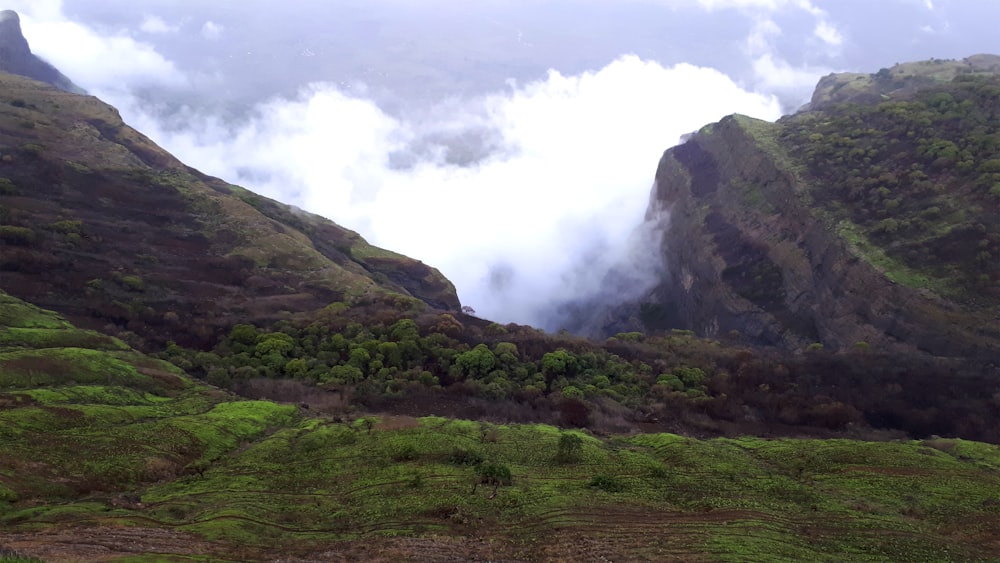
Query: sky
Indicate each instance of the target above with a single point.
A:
(510, 143)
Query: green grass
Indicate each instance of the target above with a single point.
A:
(893, 269)
(58, 338)
(15, 313)
(329, 480)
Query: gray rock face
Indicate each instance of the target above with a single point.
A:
(16, 56)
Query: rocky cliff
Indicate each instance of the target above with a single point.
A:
(860, 222)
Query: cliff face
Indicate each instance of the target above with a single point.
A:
(848, 226)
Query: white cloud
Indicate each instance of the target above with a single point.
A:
(36, 9)
(547, 204)
(828, 34)
(776, 75)
(772, 73)
(98, 61)
(212, 31)
(759, 40)
(155, 25)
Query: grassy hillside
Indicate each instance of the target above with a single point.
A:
(107, 454)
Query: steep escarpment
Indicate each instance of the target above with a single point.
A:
(99, 223)
(859, 224)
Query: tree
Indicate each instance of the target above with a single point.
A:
(559, 362)
(296, 368)
(405, 329)
(507, 353)
(275, 342)
(478, 362)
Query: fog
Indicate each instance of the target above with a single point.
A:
(510, 144)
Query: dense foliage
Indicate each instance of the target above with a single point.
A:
(437, 363)
(919, 176)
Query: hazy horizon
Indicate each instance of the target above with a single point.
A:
(510, 144)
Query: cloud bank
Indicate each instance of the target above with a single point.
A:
(521, 198)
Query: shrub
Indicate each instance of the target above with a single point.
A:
(569, 448)
(404, 453)
(7, 187)
(17, 235)
(607, 483)
(133, 283)
(492, 474)
(66, 227)
(462, 456)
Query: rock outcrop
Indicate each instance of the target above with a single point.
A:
(16, 56)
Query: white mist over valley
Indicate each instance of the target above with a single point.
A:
(512, 145)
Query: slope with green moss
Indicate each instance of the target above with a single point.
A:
(101, 224)
(869, 219)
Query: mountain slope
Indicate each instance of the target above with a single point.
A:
(868, 221)
(99, 223)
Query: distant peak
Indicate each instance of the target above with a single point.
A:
(16, 56)
(11, 36)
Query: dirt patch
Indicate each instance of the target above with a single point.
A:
(398, 423)
(78, 544)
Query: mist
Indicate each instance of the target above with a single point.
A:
(500, 144)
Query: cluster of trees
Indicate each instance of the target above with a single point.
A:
(673, 381)
(390, 359)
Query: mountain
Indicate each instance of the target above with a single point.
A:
(101, 224)
(16, 56)
(226, 377)
(866, 220)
